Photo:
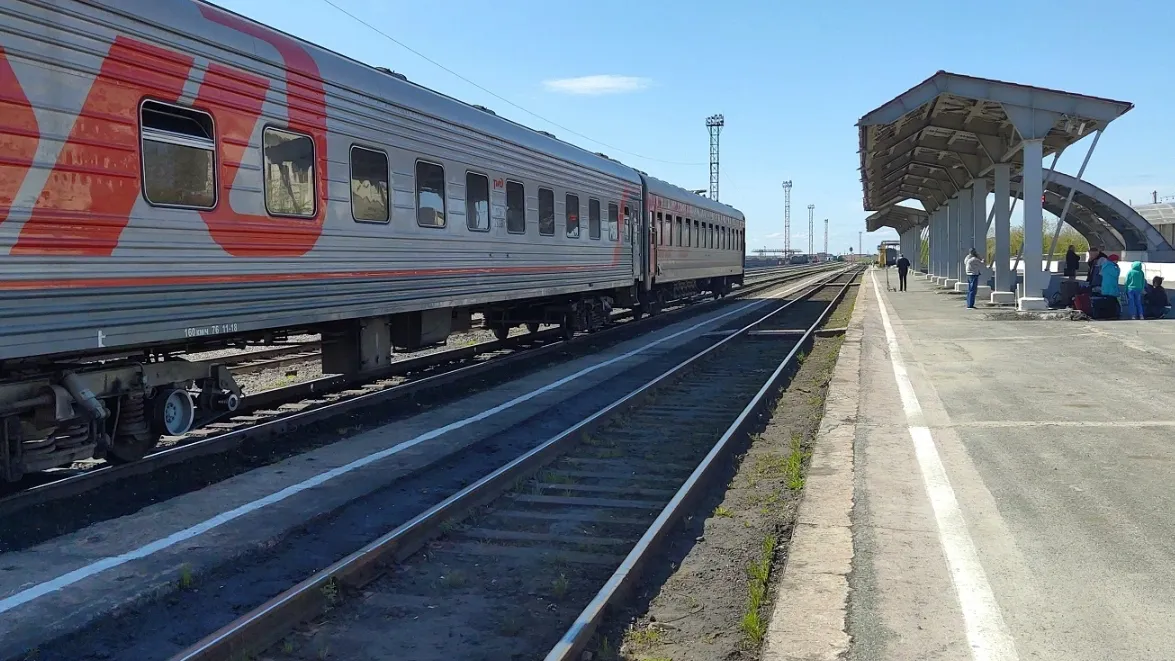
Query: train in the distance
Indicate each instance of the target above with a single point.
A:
(175, 177)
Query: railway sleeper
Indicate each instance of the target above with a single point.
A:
(115, 411)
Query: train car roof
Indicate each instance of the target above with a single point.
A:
(666, 189)
(342, 71)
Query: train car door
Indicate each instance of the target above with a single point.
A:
(632, 212)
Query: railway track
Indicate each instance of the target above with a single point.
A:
(526, 560)
(268, 415)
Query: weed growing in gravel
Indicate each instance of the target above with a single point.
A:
(554, 477)
(186, 581)
(287, 646)
(643, 637)
(454, 579)
(723, 512)
(330, 591)
(605, 651)
(559, 586)
(758, 573)
(793, 470)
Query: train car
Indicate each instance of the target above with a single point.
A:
(696, 244)
(175, 177)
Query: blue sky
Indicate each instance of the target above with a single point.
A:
(791, 80)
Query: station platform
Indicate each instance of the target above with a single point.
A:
(1012, 490)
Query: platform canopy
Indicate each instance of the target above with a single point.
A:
(933, 140)
(901, 218)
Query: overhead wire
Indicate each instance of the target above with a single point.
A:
(498, 96)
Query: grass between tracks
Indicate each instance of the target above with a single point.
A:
(710, 597)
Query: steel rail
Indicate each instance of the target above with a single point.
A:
(265, 625)
(267, 429)
(580, 633)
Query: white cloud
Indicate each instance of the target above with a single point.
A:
(597, 85)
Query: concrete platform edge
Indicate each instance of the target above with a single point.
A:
(809, 618)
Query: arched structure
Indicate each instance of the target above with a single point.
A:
(1101, 217)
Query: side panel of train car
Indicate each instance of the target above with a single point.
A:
(175, 176)
(696, 244)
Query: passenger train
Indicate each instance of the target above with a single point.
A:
(175, 177)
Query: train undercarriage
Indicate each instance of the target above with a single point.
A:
(118, 406)
(117, 409)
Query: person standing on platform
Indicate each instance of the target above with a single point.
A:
(1096, 259)
(1135, 284)
(1109, 272)
(903, 269)
(974, 267)
(1154, 301)
(1071, 262)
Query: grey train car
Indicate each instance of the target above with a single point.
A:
(175, 177)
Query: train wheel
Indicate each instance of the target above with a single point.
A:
(501, 332)
(638, 312)
(568, 327)
(532, 327)
(133, 438)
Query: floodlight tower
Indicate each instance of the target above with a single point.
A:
(811, 227)
(826, 236)
(786, 217)
(714, 123)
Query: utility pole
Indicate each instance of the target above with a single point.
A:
(825, 237)
(860, 240)
(811, 228)
(787, 217)
(714, 124)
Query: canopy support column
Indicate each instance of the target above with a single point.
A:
(951, 245)
(1033, 182)
(1005, 281)
(979, 236)
(964, 243)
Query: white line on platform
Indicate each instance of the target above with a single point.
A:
(109, 562)
(987, 633)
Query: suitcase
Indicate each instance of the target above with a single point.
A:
(1083, 302)
(1105, 307)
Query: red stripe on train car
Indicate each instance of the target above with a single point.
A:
(19, 135)
(248, 235)
(87, 200)
(77, 283)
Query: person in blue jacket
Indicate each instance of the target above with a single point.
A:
(1110, 274)
(1135, 285)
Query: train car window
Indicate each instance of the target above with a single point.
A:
(627, 225)
(369, 185)
(477, 202)
(430, 194)
(571, 210)
(593, 218)
(689, 235)
(515, 208)
(697, 234)
(289, 173)
(722, 233)
(546, 212)
(713, 236)
(613, 222)
(679, 232)
(179, 156)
